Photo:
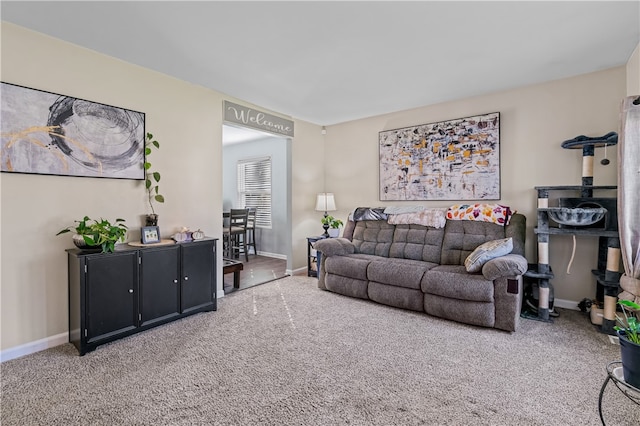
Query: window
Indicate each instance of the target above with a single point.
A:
(254, 188)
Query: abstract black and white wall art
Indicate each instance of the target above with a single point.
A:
(52, 134)
(448, 160)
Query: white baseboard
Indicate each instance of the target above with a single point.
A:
(566, 304)
(33, 347)
(274, 255)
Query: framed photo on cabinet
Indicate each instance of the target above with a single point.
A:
(150, 234)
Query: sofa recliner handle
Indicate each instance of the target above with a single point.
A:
(512, 286)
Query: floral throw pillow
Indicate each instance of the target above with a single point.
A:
(487, 251)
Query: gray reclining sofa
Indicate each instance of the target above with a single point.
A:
(422, 268)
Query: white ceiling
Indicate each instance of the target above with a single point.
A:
(329, 62)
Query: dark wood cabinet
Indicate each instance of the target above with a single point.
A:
(112, 295)
(159, 284)
(197, 275)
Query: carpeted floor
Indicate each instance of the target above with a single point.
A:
(287, 353)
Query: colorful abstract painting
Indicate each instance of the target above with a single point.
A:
(47, 133)
(449, 160)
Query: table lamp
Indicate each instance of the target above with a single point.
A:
(327, 203)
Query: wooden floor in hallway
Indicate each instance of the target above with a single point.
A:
(258, 270)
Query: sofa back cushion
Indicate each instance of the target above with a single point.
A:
(373, 237)
(349, 227)
(417, 242)
(461, 237)
(446, 246)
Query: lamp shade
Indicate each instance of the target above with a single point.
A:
(325, 202)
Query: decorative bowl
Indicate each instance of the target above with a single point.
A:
(576, 216)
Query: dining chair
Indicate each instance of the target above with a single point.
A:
(251, 229)
(235, 236)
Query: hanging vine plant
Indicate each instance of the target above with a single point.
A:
(152, 179)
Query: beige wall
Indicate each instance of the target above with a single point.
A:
(187, 121)
(307, 174)
(633, 73)
(534, 122)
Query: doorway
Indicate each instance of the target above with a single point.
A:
(273, 237)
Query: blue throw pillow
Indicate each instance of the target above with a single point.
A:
(487, 251)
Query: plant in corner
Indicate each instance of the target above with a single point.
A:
(92, 233)
(152, 180)
(629, 336)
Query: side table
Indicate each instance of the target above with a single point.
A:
(614, 374)
(313, 257)
(232, 266)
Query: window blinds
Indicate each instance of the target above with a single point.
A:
(254, 188)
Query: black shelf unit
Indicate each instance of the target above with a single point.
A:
(608, 248)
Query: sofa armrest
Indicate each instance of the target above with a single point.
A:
(334, 247)
(510, 265)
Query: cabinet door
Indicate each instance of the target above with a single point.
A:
(159, 284)
(197, 275)
(111, 295)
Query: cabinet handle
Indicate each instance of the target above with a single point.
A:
(175, 281)
(130, 290)
(186, 278)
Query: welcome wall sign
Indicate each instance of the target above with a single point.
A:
(247, 117)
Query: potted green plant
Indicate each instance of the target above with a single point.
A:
(152, 179)
(629, 337)
(332, 225)
(97, 234)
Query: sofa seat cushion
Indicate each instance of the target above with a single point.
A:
(347, 286)
(482, 314)
(404, 298)
(405, 273)
(351, 265)
(453, 281)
